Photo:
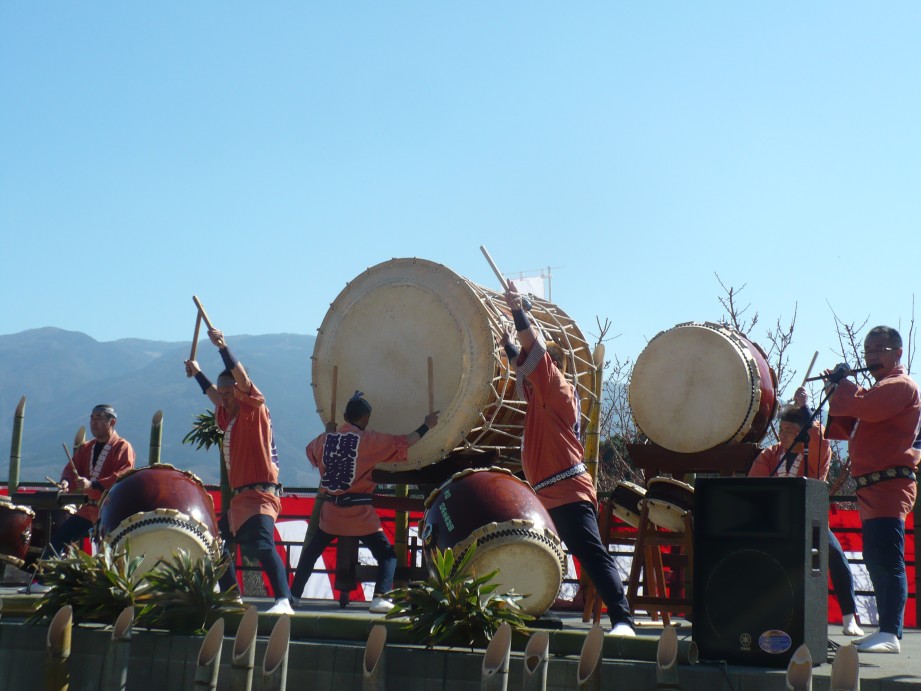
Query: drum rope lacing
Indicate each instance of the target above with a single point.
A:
(518, 532)
(173, 520)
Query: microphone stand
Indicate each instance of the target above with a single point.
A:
(803, 435)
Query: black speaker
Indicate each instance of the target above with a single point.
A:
(760, 569)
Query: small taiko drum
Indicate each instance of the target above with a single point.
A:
(155, 511)
(513, 533)
(625, 502)
(668, 502)
(15, 532)
(701, 385)
(415, 309)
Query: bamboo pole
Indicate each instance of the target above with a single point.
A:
(589, 673)
(115, 668)
(845, 669)
(209, 657)
(275, 663)
(244, 651)
(401, 528)
(536, 656)
(592, 431)
(494, 675)
(57, 676)
(667, 659)
(16, 445)
(156, 438)
(799, 671)
(374, 669)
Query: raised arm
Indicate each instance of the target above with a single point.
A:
(431, 420)
(230, 362)
(527, 335)
(210, 390)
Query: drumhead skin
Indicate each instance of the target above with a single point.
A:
(700, 385)
(382, 328)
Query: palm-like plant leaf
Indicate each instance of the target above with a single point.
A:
(205, 432)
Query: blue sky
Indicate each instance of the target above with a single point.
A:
(261, 155)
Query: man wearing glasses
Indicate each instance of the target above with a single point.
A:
(881, 424)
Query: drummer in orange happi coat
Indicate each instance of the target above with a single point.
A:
(345, 458)
(252, 468)
(552, 459)
(96, 466)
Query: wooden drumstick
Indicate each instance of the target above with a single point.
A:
(332, 404)
(431, 385)
(71, 461)
(809, 371)
(495, 268)
(53, 482)
(201, 311)
(195, 336)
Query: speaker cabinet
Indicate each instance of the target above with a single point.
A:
(760, 569)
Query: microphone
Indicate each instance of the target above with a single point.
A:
(841, 371)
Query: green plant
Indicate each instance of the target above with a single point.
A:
(454, 606)
(184, 594)
(205, 432)
(98, 586)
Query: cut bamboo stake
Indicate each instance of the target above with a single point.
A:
(275, 664)
(845, 669)
(332, 402)
(57, 676)
(244, 651)
(201, 311)
(156, 438)
(374, 669)
(209, 657)
(115, 668)
(16, 445)
(667, 659)
(799, 671)
(536, 655)
(494, 675)
(194, 350)
(589, 673)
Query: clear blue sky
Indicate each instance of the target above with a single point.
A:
(261, 155)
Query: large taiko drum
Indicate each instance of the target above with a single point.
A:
(15, 532)
(701, 385)
(512, 531)
(157, 510)
(382, 328)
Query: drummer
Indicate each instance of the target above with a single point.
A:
(345, 459)
(252, 468)
(776, 461)
(552, 459)
(95, 467)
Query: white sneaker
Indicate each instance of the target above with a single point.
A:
(281, 606)
(380, 605)
(851, 627)
(622, 628)
(880, 643)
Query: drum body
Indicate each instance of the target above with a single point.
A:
(512, 530)
(383, 327)
(667, 503)
(700, 385)
(626, 503)
(15, 532)
(157, 510)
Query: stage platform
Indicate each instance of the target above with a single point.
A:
(327, 647)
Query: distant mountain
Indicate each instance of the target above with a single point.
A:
(63, 374)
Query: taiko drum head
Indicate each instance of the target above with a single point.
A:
(382, 328)
(701, 385)
(626, 501)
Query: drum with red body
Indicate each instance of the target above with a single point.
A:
(701, 385)
(15, 532)
(157, 510)
(512, 531)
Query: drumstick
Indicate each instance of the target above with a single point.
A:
(809, 371)
(201, 311)
(195, 336)
(332, 404)
(53, 482)
(431, 385)
(71, 461)
(495, 268)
